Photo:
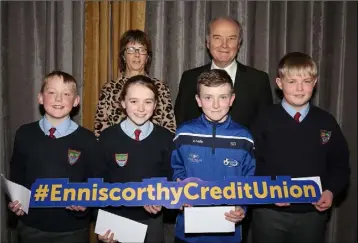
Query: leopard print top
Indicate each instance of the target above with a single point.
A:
(109, 108)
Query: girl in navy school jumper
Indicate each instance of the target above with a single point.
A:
(136, 149)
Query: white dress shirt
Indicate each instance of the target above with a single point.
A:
(230, 69)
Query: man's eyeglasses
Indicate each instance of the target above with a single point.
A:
(132, 50)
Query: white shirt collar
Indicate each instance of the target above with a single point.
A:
(129, 127)
(61, 129)
(230, 69)
(291, 111)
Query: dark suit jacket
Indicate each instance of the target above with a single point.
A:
(252, 90)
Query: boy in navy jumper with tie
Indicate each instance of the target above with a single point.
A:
(54, 147)
(297, 139)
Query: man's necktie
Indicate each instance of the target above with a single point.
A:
(297, 117)
(136, 134)
(52, 132)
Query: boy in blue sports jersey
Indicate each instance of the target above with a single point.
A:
(225, 149)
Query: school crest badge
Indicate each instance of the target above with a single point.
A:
(73, 156)
(121, 159)
(325, 136)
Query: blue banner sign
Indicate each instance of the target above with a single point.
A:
(159, 191)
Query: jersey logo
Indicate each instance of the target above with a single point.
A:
(231, 162)
(121, 159)
(73, 156)
(194, 158)
(325, 136)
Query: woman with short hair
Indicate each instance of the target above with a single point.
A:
(135, 57)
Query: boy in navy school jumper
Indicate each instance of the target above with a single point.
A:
(225, 149)
(136, 149)
(54, 147)
(297, 139)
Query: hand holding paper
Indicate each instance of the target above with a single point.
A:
(16, 207)
(236, 215)
(107, 237)
(325, 202)
(17, 193)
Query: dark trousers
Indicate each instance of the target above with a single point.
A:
(246, 225)
(177, 240)
(272, 226)
(155, 230)
(28, 234)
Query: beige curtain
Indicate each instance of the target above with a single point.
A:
(105, 22)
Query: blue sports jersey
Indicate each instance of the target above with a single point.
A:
(211, 152)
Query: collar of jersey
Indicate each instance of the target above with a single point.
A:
(211, 124)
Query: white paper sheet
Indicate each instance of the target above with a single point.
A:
(17, 192)
(207, 220)
(125, 230)
(316, 179)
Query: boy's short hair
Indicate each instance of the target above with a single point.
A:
(214, 78)
(67, 78)
(297, 63)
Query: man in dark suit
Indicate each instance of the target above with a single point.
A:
(252, 87)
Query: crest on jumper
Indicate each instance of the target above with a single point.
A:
(121, 159)
(73, 156)
(325, 136)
